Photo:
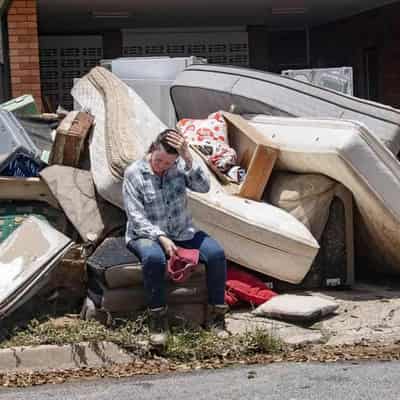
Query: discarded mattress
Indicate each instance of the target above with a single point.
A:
(14, 213)
(254, 234)
(201, 89)
(13, 136)
(107, 166)
(325, 207)
(40, 130)
(349, 153)
(18, 154)
(27, 257)
(306, 196)
(74, 190)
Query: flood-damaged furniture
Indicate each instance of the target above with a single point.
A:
(25, 189)
(21, 106)
(115, 287)
(27, 258)
(326, 208)
(70, 139)
(202, 89)
(350, 140)
(254, 234)
(19, 155)
(349, 153)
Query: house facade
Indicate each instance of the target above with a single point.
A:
(47, 44)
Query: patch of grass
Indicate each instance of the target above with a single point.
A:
(184, 344)
(260, 341)
(71, 331)
(201, 345)
(38, 333)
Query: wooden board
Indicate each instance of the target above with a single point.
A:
(248, 130)
(26, 189)
(256, 154)
(258, 173)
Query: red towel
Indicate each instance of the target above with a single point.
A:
(241, 285)
(182, 264)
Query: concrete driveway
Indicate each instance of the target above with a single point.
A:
(367, 314)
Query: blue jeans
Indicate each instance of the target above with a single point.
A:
(154, 262)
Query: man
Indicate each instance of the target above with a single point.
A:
(155, 200)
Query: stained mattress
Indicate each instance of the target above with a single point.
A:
(27, 257)
(202, 89)
(349, 153)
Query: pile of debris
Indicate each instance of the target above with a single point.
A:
(283, 210)
(48, 194)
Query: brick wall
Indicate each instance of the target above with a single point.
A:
(24, 49)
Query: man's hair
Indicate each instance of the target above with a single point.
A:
(161, 142)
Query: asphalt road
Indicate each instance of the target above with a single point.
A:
(373, 380)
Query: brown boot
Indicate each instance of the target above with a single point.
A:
(158, 326)
(216, 319)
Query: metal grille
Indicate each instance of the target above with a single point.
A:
(176, 49)
(239, 59)
(218, 47)
(62, 59)
(218, 59)
(132, 51)
(154, 50)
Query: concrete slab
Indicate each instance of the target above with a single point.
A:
(242, 322)
(49, 357)
(367, 314)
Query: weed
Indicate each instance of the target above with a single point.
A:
(184, 343)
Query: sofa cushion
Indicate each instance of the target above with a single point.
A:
(117, 267)
(292, 307)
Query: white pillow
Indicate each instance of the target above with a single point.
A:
(296, 308)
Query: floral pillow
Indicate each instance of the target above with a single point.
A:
(210, 136)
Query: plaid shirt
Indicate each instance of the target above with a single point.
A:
(157, 205)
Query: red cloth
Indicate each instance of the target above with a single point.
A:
(241, 285)
(182, 263)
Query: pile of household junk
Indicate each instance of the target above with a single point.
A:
(287, 161)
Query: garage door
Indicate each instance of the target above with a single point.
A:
(219, 45)
(62, 59)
